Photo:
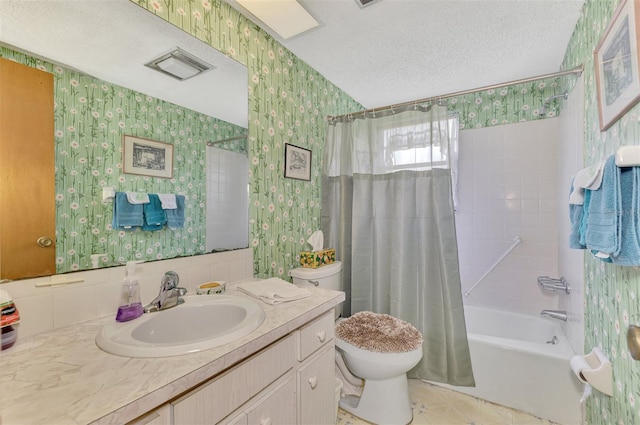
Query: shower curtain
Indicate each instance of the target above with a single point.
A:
(388, 209)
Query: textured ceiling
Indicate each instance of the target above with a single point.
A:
(402, 50)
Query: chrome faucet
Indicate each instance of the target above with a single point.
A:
(555, 314)
(169, 296)
(552, 285)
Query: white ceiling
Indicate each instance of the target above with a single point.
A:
(392, 51)
(402, 50)
(113, 39)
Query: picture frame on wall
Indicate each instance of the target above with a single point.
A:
(616, 63)
(297, 162)
(146, 157)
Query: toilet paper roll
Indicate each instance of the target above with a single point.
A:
(578, 364)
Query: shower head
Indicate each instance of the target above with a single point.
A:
(548, 100)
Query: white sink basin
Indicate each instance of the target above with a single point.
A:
(201, 323)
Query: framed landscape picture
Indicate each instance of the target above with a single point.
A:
(616, 62)
(147, 157)
(297, 162)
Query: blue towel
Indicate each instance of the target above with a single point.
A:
(575, 217)
(154, 215)
(175, 218)
(629, 253)
(585, 217)
(603, 223)
(126, 215)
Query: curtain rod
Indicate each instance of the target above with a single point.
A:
(577, 70)
(230, 139)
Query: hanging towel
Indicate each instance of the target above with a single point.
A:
(585, 218)
(168, 201)
(175, 217)
(603, 224)
(154, 215)
(137, 198)
(125, 214)
(629, 254)
(575, 217)
(274, 291)
(587, 178)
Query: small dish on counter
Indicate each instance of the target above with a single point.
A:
(213, 287)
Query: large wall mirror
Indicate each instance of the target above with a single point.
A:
(97, 52)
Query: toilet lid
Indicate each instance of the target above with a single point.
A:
(379, 332)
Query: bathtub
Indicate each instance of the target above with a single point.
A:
(515, 367)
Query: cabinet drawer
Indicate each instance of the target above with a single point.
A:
(160, 416)
(278, 407)
(316, 334)
(316, 387)
(213, 401)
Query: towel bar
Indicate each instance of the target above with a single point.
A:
(516, 241)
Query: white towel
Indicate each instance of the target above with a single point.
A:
(587, 178)
(137, 198)
(274, 291)
(168, 201)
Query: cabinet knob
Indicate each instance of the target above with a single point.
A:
(44, 242)
(265, 421)
(322, 335)
(313, 381)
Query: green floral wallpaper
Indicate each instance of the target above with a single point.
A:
(611, 292)
(91, 116)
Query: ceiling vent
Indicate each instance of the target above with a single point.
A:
(365, 3)
(179, 64)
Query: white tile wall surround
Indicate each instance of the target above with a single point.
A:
(507, 187)
(45, 308)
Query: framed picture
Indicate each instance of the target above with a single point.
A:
(616, 62)
(297, 162)
(147, 157)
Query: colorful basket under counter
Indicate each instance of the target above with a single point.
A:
(315, 259)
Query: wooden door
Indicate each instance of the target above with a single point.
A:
(27, 171)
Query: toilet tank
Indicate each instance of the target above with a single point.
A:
(327, 277)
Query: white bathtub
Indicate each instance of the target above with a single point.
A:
(515, 367)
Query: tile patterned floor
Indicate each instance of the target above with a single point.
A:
(434, 405)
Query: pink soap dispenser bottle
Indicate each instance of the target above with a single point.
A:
(130, 304)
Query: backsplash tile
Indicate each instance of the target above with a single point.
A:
(45, 308)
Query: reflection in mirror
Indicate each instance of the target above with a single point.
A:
(99, 97)
(228, 199)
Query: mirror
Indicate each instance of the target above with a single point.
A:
(102, 91)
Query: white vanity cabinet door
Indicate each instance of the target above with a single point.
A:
(316, 389)
(278, 407)
(212, 401)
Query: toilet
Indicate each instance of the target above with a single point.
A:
(374, 352)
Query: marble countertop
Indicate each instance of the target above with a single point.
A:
(62, 377)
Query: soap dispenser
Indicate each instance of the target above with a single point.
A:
(130, 304)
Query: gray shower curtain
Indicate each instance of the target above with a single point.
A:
(387, 208)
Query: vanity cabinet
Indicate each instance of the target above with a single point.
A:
(291, 381)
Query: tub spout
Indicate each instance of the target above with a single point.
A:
(555, 314)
